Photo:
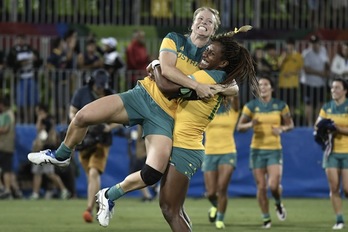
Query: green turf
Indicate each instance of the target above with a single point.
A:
(132, 215)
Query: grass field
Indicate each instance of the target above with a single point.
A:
(132, 215)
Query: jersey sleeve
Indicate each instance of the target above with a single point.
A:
(247, 110)
(169, 43)
(285, 110)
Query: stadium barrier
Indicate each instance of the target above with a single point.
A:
(282, 14)
(302, 160)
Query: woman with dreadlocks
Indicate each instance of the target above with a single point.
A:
(224, 62)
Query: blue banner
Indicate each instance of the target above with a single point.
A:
(303, 175)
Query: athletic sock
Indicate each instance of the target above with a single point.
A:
(63, 152)
(266, 217)
(220, 216)
(114, 192)
(339, 218)
(278, 201)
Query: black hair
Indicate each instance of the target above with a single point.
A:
(344, 83)
(43, 107)
(69, 33)
(55, 42)
(269, 80)
(269, 46)
(240, 63)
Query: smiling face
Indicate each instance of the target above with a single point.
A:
(265, 88)
(337, 91)
(212, 57)
(204, 24)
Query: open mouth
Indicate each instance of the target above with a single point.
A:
(202, 28)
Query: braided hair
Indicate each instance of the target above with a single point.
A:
(240, 67)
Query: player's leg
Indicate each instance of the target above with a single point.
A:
(274, 179)
(225, 172)
(210, 181)
(261, 184)
(158, 149)
(104, 110)
(174, 187)
(333, 177)
(209, 168)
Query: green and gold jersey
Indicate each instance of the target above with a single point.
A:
(192, 117)
(219, 137)
(338, 114)
(269, 115)
(188, 57)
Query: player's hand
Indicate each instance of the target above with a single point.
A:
(204, 92)
(254, 122)
(277, 130)
(149, 71)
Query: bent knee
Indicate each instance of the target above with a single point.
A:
(80, 118)
(149, 175)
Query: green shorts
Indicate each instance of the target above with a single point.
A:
(264, 158)
(336, 160)
(212, 162)
(186, 161)
(143, 110)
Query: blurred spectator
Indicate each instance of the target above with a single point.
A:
(339, 66)
(94, 149)
(261, 65)
(291, 64)
(138, 157)
(112, 61)
(57, 64)
(314, 78)
(7, 144)
(89, 60)
(46, 138)
(22, 59)
(271, 57)
(71, 48)
(137, 58)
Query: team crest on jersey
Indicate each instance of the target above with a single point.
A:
(329, 111)
(181, 48)
(257, 109)
(275, 106)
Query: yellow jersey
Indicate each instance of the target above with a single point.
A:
(188, 57)
(192, 117)
(219, 135)
(269, 115)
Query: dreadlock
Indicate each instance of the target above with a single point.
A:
(240, 67)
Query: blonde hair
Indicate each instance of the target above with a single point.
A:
(215, 12)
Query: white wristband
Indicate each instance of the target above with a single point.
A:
(155, 63)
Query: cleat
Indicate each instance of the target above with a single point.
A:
(87, 216)
(212, 214)
(64, 194)
(281, 212)
(267, 224)
(47, 157)
(105, 208)
(338, 226)
(5, 195)
(220, 225)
